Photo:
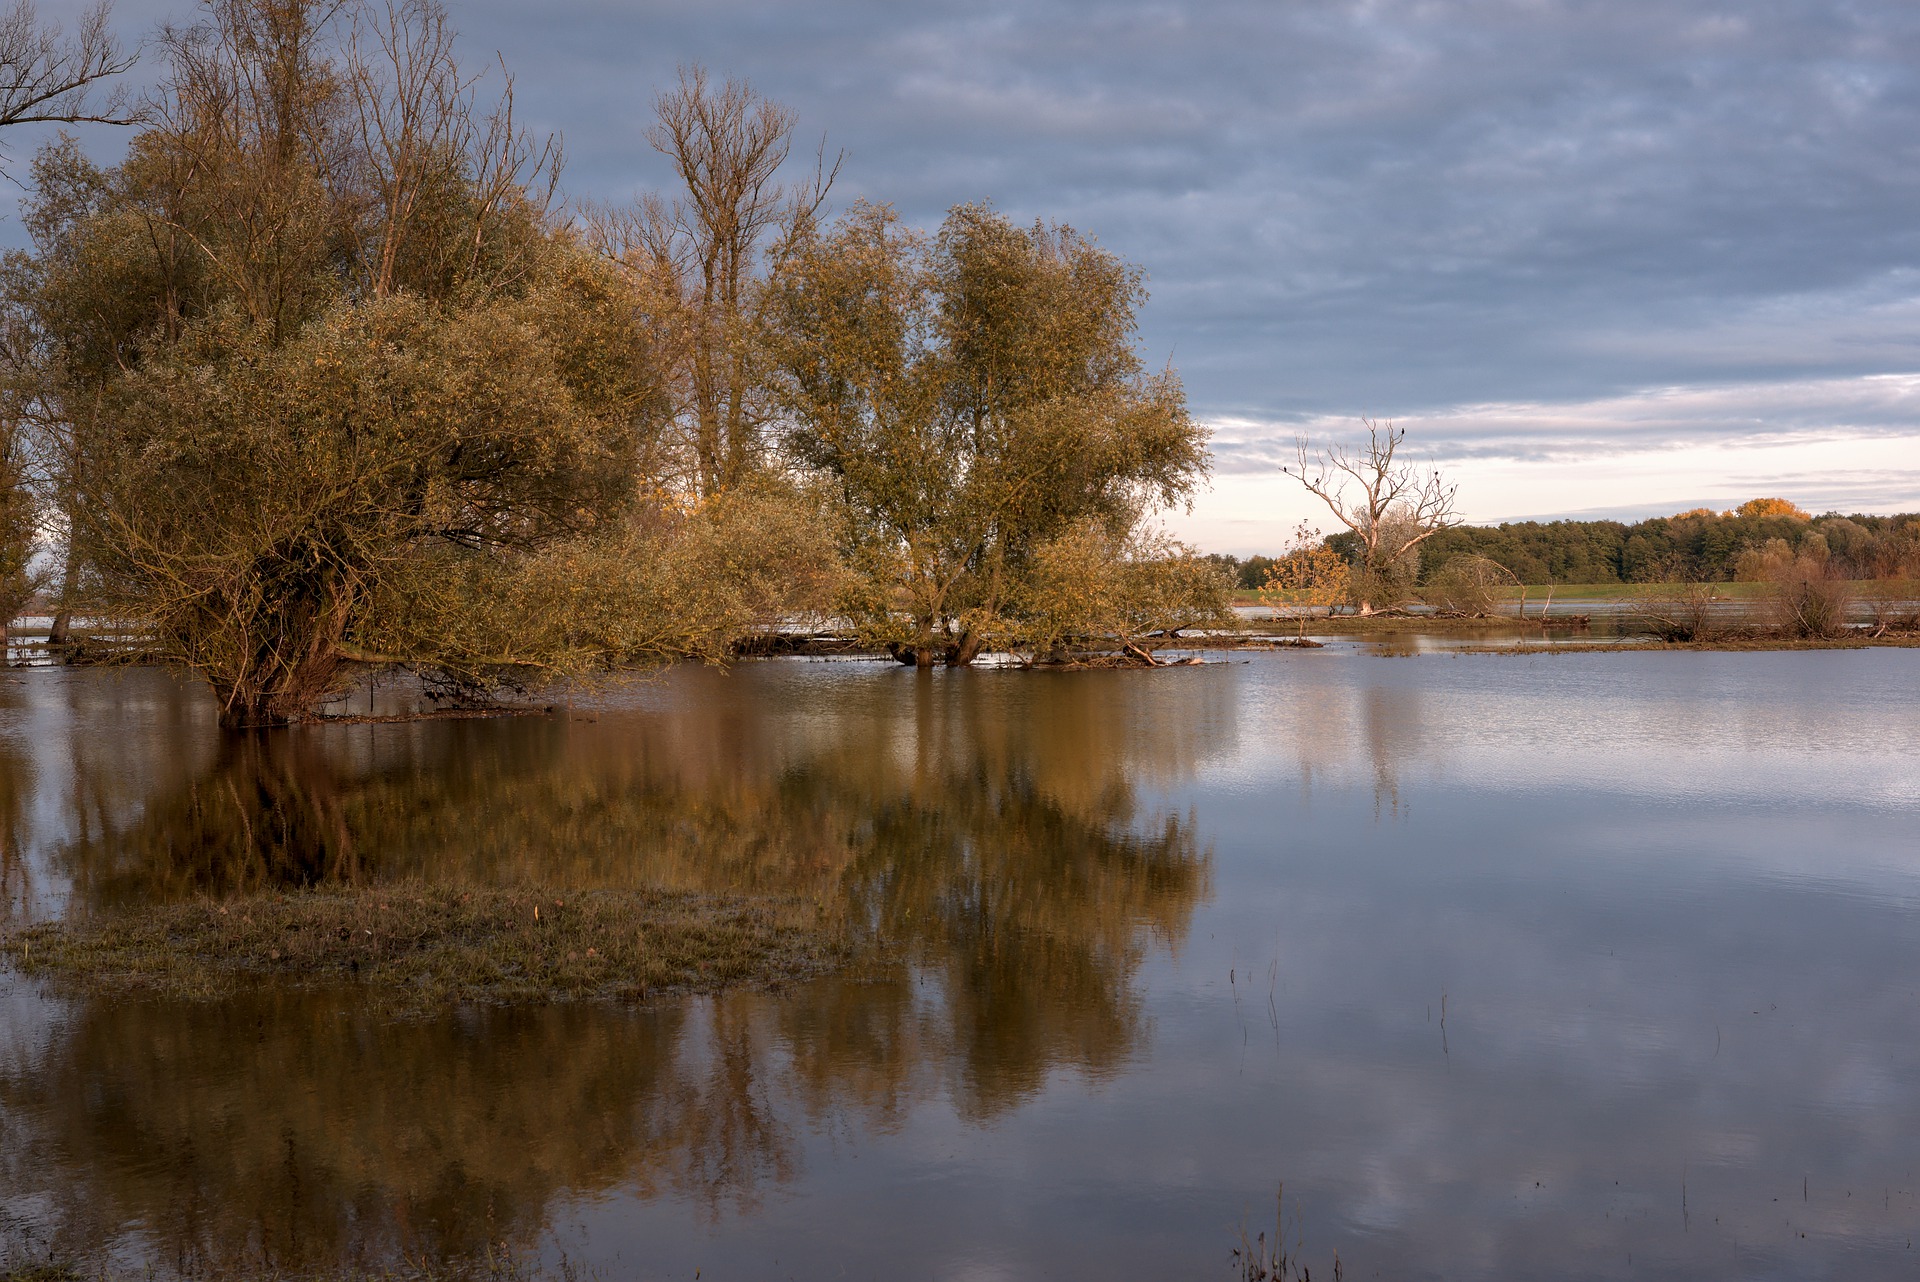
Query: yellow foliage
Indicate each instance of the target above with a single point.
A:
(1309, 574)
(1092, 590)
(1771, 507)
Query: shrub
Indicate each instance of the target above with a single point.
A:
(1807, 598)
(1469, 585)
(1679, 608)
(1892, 605)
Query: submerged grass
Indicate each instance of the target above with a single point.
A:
(46, 1272)
(415, 947)
(493, 1267)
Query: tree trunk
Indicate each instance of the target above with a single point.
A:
(277, 695)
(258, 711)
(966, 650)
(60, 634)
(913, 656)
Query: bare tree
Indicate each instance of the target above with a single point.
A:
(239, 197)
(47, 77)
(418, 134)
(699, 259)
(1397, 507)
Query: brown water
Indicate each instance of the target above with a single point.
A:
(1587, 965)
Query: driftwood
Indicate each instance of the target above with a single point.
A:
(1130, 655)
(1147, 658)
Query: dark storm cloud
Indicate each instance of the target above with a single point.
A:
(1353, 206)
(1359, 206)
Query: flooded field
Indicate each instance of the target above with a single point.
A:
(1508, 966)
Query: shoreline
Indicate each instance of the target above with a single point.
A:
(1732, 645)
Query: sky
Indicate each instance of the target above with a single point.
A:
(1599, 257)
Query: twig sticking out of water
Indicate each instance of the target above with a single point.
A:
(1273, 1010)
(1261, 1263)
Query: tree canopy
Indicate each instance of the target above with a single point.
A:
(313, 343)
(973, 395)
(1701, 544)
(321, 374)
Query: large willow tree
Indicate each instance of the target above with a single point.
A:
(976, 398)
(324, 380)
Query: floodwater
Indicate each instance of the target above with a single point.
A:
(1588, 965)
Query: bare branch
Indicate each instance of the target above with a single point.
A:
(46, 77)
(702, 260)
(1397, 506)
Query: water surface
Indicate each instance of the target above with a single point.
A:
(1573, 965)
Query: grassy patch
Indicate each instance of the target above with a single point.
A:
(417, 947)
(1537, 592)
(42, 1273)
(489, 1269)
(1387, 624)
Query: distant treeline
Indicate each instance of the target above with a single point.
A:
(1698, 545)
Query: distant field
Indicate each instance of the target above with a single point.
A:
(1575, 591)
(1627, 591)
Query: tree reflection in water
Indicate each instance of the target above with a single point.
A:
(990, 826)
(17, 778)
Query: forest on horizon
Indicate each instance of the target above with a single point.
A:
(1697, 544)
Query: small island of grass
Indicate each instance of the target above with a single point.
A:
(415, 947)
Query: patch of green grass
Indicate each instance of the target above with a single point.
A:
(1625, 591)
(416, 947)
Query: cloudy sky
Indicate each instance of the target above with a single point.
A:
(1613, 257)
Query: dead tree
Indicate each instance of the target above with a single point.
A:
(1397, 507)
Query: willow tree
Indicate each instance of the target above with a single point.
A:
(314, 356)
(974, 396)
(1085, 592)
